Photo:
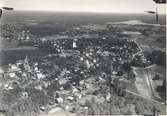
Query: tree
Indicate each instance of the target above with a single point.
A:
(156, 77)
(126, 66)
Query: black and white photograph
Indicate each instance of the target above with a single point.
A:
(83, 57)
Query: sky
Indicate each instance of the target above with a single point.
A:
(114, 6)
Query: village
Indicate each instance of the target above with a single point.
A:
(87, 71)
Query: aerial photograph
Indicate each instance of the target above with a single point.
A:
(82, 57)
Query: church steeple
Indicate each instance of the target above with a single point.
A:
(26, 64)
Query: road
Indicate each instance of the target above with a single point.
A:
(135, 40)
(142, 82)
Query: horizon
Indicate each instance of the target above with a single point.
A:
(105, 6)
(83, 12)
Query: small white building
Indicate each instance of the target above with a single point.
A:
(74, 43)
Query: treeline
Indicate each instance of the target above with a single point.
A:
(157, 57)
